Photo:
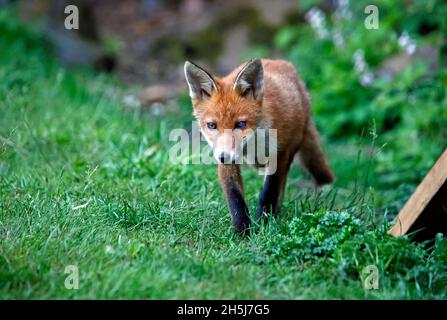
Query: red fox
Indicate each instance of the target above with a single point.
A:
(266, 94)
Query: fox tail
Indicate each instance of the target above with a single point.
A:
(312, 157)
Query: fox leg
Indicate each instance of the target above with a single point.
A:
(270, 198)
(231, 182)
(312, 157)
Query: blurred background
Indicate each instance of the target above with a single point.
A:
(148, 40)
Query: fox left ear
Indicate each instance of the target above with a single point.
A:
(250, 79)
(201, 84)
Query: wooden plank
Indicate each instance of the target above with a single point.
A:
(419, 200)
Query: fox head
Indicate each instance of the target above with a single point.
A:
(229, 110)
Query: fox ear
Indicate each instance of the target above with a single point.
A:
(200, 83)
(250, 79)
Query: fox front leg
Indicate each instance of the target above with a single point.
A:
(270, 198)
(231, 182)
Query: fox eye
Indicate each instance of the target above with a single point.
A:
(211, 125)
(240, 124)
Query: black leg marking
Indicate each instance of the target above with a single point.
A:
(268, 197)
(239, 210)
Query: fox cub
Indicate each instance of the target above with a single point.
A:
(260, 94)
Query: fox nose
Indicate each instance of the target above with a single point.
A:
(223, 157)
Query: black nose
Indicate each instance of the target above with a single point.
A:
(222, 157)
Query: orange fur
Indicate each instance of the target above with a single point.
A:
(285, 106)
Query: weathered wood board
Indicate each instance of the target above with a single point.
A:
(426, 210)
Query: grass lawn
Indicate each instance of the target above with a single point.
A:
(85, 181)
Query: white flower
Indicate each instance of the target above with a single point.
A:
(366, 79)
(359, 61)
(317, 21)
(361, 68)
(343, 9)
(338, 39)
(406, 43)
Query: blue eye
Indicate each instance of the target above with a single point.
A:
(211, 125)
(240, 124)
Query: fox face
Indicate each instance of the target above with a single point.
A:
(228, 110)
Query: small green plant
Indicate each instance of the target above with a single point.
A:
(310, 236)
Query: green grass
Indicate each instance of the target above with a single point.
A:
(76, 188)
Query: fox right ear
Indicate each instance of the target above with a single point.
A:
(200, 83)
(251, 79)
